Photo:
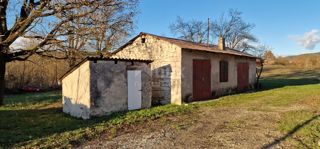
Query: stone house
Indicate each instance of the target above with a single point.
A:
(99, 86)
(184, 71)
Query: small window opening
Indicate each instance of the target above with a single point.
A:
(224, 74)
(143, 40)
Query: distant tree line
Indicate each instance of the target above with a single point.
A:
(37, 72)
(299, 61)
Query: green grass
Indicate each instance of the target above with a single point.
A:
(281, 98)
(75, 131)
(31, 100)
(302, 127)
(272, 83)
(37, 121)
(41, 123)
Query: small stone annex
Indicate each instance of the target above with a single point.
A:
(98, 86)
(184, 71)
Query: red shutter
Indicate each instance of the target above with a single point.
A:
(224, 72)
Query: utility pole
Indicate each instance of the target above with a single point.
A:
(208, 42)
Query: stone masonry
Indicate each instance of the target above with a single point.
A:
(172, 66)
(166, 68)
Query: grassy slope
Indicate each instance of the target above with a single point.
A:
(302, 126)
(302, 56)
(36, 120)
(310, 60)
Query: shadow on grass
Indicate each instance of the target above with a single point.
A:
(32, 98)
(290, 134)
(18, 126)
(51, 128)
(286, 76)
(24, 123)
(273, 83)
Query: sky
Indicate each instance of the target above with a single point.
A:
(290, 27)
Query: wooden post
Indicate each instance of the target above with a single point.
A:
(208, 42)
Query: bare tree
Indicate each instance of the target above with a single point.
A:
(109, 35)
(232, 27)
(269, 57)
(260, 51)
(235, 30)
(51, 23)
(195, 31)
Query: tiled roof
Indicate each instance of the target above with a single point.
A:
(184, 44)
(200, 46)
(119, 59)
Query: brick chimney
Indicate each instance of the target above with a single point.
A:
(221, 43)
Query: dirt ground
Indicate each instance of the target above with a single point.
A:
(204, 128)
(236, 127)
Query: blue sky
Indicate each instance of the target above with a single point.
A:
(289, 26)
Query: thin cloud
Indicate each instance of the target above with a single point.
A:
(309, 40)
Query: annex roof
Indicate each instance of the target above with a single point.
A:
(99, 58)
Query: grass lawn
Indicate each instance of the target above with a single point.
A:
(36, 120)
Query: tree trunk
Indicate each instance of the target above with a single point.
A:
(258, 85)
(2, 78)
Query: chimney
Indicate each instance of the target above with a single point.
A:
(221, 43)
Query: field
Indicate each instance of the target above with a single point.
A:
(284, 114)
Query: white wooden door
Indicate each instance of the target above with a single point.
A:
(134, 89)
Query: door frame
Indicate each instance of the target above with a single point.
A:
(242, 76)
(134, 85)
(205, 91)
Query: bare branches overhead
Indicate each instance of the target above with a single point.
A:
(194, 30)
(63, 19)
(61, 25)
(235, 31)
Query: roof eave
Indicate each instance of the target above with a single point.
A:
(104, 59)
(221, 53)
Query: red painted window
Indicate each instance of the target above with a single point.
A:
(224, 73)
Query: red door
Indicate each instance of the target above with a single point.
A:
(243, 76)
(201, 80)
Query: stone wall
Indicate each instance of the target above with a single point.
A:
(109, 89)
(76, 92)
(101, 87)
(172, 68)
(166, 68)
(218, 88)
